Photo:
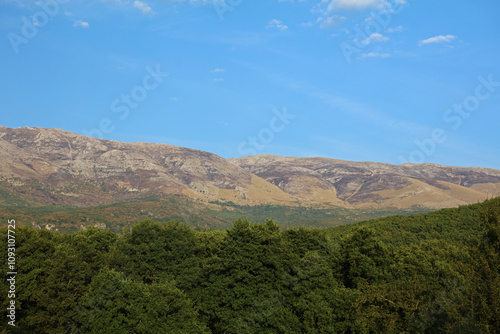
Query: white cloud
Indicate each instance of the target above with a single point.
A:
(356, 4)
(146, 9)
(438, 39)
(375, 37)
(142, 6)
(218, 70)
(330, 22)
(374, 55)
(395, 29)
(81, 24)
(277, 24)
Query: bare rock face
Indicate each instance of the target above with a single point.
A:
(87, 171)
(377, 184)
(55, 166)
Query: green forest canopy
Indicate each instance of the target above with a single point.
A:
(437, 272)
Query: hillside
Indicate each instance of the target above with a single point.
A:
(212, 216)
(54, 166)
(370, 184)
(429, 273)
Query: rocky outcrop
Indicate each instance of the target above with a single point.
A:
(376, 184)
(56, 166)
(59, 166)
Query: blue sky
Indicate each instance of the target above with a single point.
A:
(365, 80)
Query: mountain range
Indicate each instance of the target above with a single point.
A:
(41, 166)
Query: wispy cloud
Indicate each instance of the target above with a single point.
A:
(307, 24)
(356, 4)
(368, 114)
(374, 55)
(276, 24)
(359, 110)
(143, 7)
(438, 39)
(395, 29)
(375, 37)
(330, 22)
(81, 24)
(218, 70)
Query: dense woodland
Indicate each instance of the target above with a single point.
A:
(436, 272)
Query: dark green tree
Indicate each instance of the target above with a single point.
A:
(115, 304)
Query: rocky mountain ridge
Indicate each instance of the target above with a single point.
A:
(374, 184)
(55, 166)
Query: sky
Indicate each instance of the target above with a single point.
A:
(391, 81)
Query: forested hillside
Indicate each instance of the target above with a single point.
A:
(436, 272)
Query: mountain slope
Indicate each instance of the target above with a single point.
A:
(56, 166)
(374, 184)
(51, 166)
